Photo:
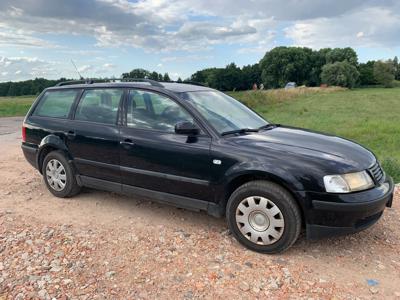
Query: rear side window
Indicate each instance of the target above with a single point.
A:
(99, 105)
(56, 104)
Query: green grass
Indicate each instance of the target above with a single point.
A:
(15, 106)
(368, 116)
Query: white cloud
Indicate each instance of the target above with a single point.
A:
(167, 25)
(181, 31)
(21, 68)
(373, 27)
(11, 37)
(174, 76)
(108, 66)
(85, 68)
(104, 69)
(153, 25)
(265, 44)
(186, 58)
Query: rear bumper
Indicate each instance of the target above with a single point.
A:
(331, 214)
(30, 152)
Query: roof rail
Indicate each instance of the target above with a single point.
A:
(192, 82)
(93, 80)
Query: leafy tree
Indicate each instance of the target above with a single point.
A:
(27, 87)
(384, 73)
(154, 76)
(137, 73)
(341, 73)
(203, 76)
(284, 64)
(228, 79)
(166, 77)
(179, 80)
(317, 61)
(4, 87)
(12, 90)
(342, 54)
(367, 73)
(396, 66)
(250, 74)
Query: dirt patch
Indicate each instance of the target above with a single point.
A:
(102, 245)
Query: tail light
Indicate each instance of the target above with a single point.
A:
(23, 133)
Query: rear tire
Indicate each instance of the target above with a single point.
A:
(263, 217)
(59, 175)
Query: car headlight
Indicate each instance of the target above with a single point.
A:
(348, 183)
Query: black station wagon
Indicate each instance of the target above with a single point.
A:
(197, 148)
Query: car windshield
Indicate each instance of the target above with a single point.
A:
(223, 112)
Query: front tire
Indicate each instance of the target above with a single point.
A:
(264, 217)
(59, 175)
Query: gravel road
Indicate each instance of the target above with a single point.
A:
(100, 245)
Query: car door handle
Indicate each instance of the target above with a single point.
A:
(127, 143)
(71, 134)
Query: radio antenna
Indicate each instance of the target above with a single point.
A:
(77, 71)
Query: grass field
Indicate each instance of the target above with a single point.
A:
(368, 116)
(15, 106)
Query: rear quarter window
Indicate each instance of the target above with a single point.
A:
(56, 104)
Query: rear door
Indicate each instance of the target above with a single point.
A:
(50, 115)
(154, 157)
(93, 134)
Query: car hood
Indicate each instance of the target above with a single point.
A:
(309, 143)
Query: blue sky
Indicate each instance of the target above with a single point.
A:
(38, 38)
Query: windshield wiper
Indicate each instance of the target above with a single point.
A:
(268, 126)
(242, 130)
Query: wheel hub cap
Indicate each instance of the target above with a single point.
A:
(55, 175)
(260, 220)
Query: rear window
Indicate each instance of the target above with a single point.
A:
(56, 104)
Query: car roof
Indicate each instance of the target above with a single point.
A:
(169, 86)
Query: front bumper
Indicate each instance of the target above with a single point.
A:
(336, 214)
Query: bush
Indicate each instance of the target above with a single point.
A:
(341, 74)
(396, 83)
(367, 73)
(384, 73)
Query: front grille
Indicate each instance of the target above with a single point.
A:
(377, 173)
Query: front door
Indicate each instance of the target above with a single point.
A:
(154, 157)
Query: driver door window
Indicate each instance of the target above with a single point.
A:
(147, 110)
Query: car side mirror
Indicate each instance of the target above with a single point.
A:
(186, 128)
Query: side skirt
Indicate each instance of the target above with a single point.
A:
(212, 209)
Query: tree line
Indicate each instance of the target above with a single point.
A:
(304, 66)
(142, 73)
(27, 87)
(36, 86)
